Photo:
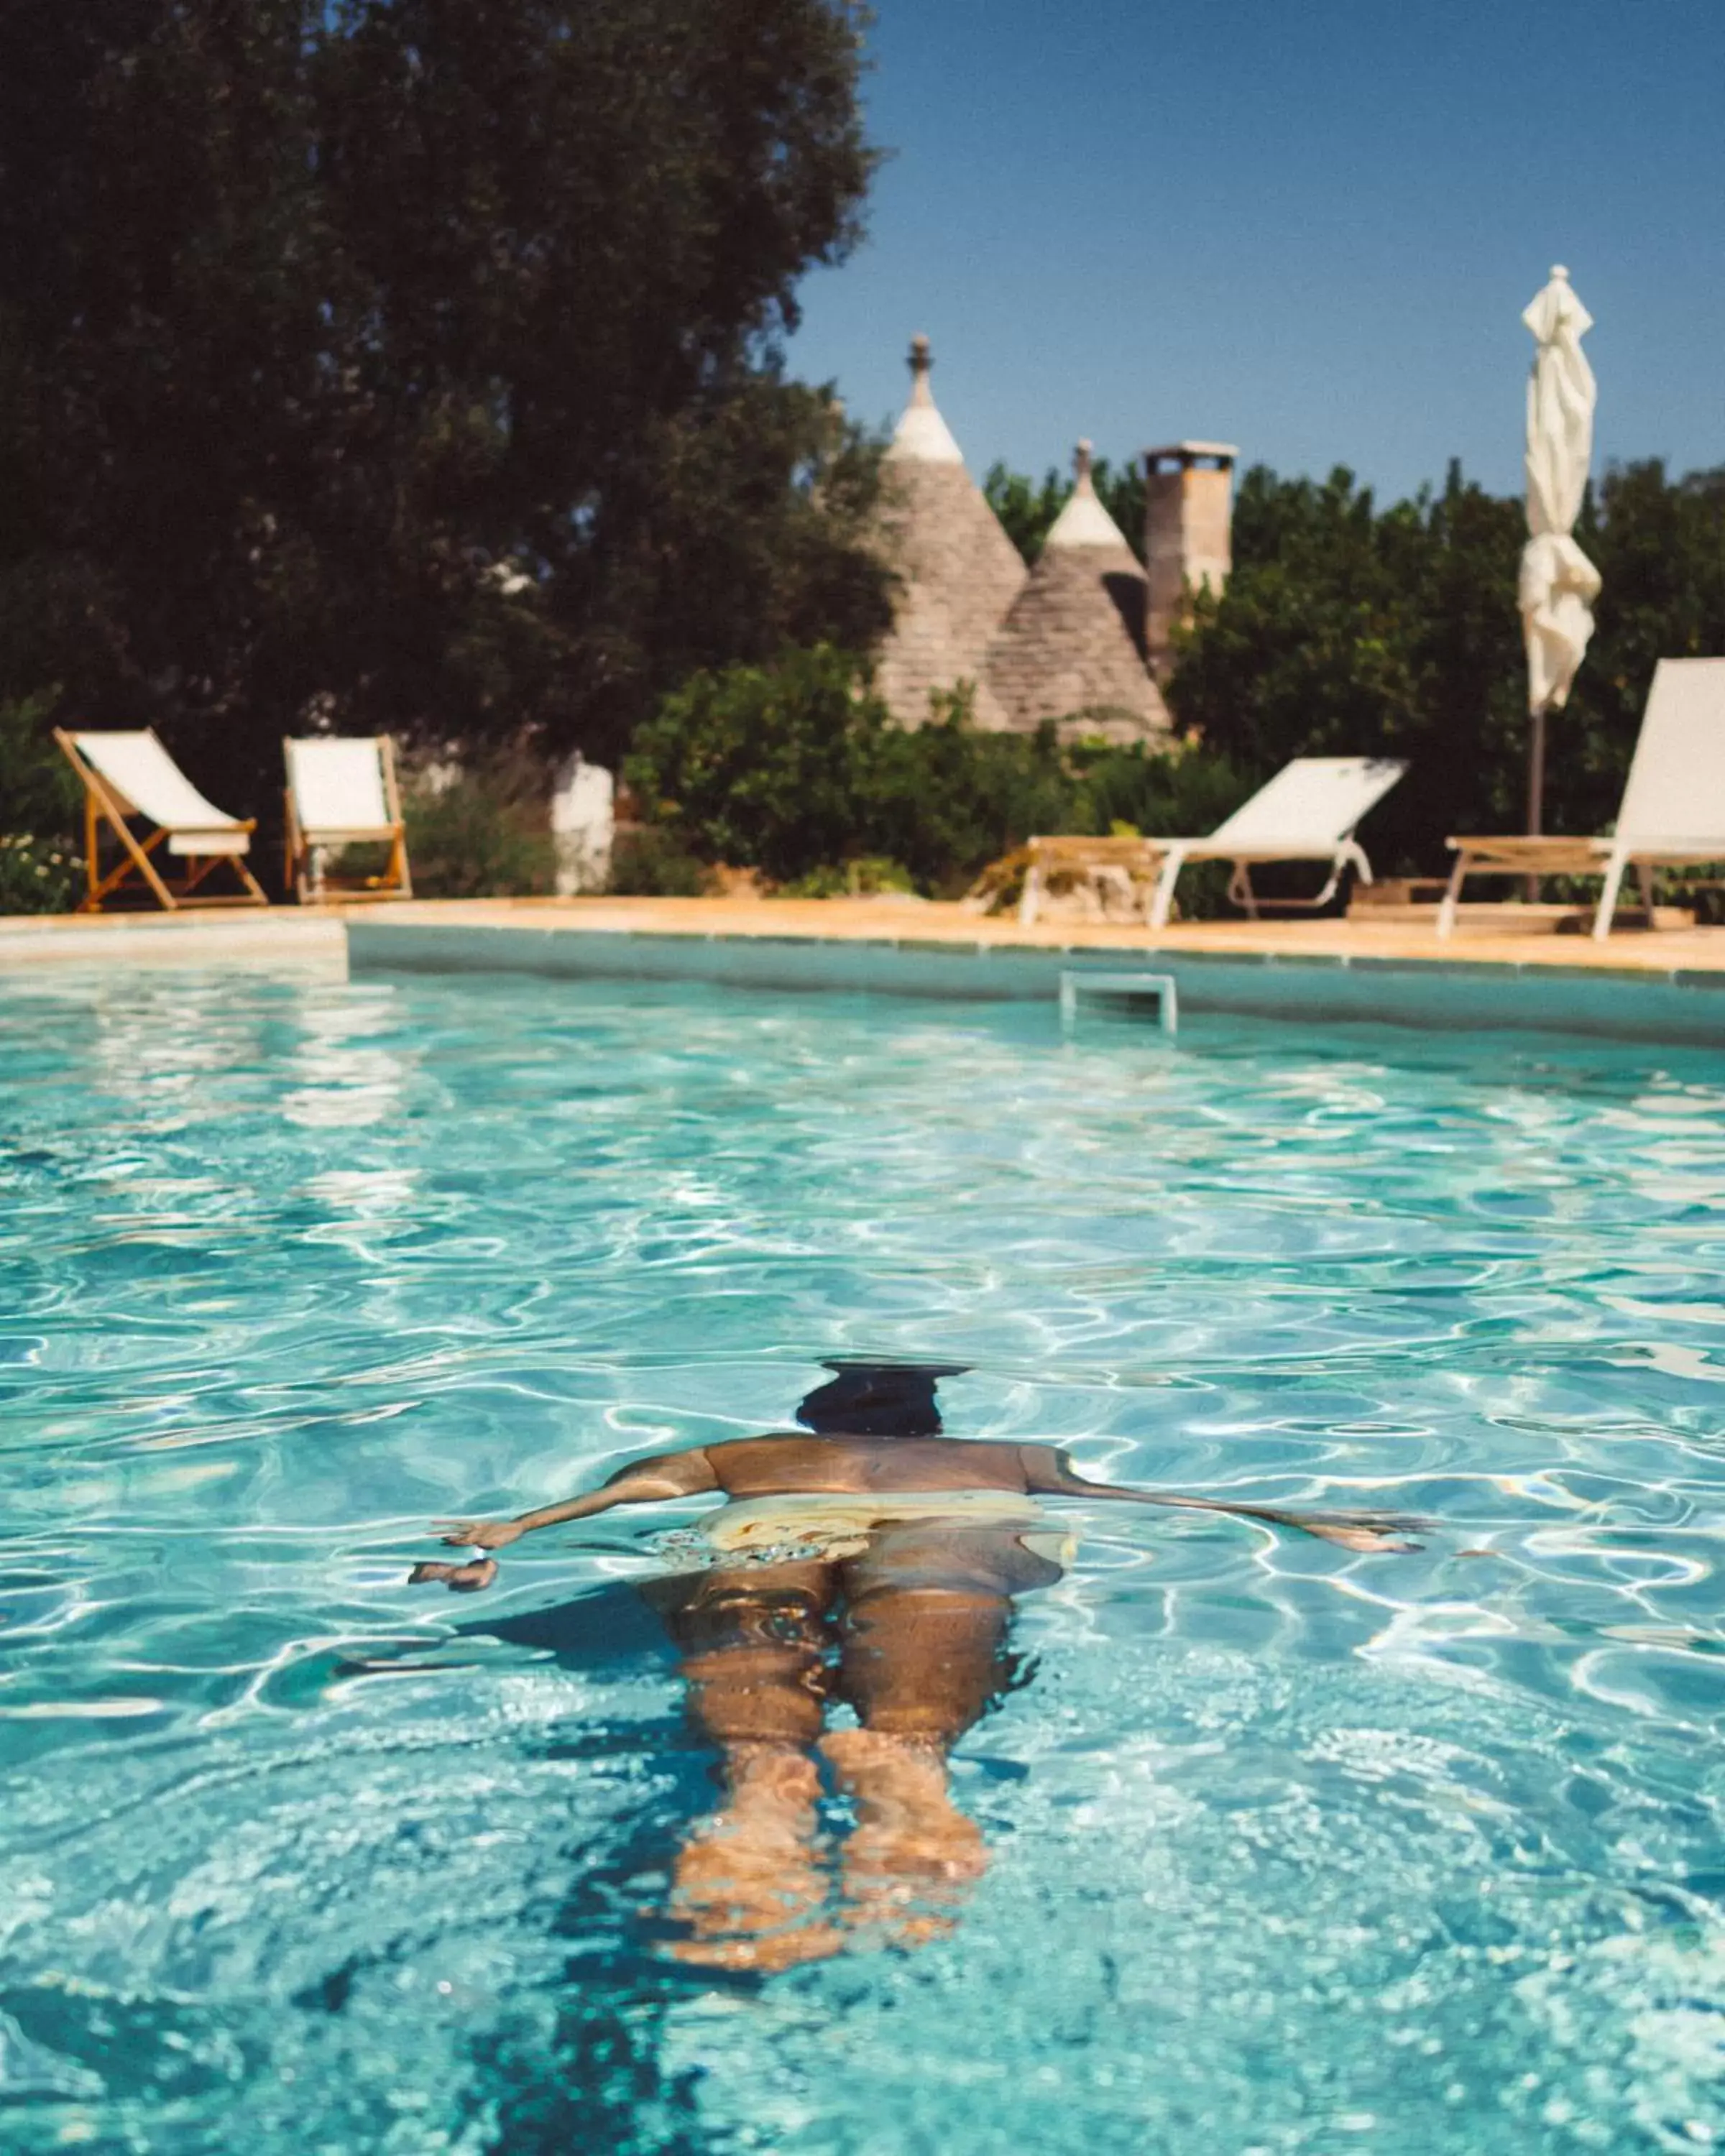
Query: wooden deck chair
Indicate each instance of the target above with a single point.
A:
(1673, 810)
(1307, 813)
(130, 777)
(342, 793)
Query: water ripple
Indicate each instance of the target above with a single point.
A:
(1296, 1852)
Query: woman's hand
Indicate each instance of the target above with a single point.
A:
(469, 1579)
(479, 1534)
(1363, 1531)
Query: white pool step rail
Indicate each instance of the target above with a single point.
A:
(1127, 993)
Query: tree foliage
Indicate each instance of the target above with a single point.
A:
(418, 363)
(1027, 510)
(1349, 630)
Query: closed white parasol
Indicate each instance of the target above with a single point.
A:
(1558, 583)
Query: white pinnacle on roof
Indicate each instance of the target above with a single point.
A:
(1084, 521)
(922, 436)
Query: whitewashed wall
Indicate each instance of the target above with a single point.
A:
(583, 822)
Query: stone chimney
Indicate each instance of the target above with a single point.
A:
(1187, 515)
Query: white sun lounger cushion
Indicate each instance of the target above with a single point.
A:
(1314, 801)
(1674, 799)
(140, 771)
(338, 787)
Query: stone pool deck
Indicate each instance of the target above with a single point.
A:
(1660, 985)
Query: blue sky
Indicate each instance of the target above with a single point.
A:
(1308, 226)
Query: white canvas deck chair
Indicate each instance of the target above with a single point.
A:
(130, 778)
(1673, 809)
(1307, 813)
(342, 793)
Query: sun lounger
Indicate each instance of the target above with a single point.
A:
(130, 777)
(1307, 813)
(342, 793)
(1673, 810)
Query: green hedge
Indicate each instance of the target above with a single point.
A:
(796, 769)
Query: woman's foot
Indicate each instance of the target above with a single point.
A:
(912, 1853)
(747, 1883)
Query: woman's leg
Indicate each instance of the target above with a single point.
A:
(927, 1611)
(754, 1641)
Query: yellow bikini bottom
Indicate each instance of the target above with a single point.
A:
(840, 1523)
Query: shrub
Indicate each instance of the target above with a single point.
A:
(771, 768)
(484, 831)
(41, 860)
(1171, 792)
(866, 877)
(1167, 794)
(954, 799)
(797, 770)
(651, 862)
(36, 876)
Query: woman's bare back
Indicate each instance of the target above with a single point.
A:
(778, 1465)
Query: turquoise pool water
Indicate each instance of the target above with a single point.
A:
(1292, 1851)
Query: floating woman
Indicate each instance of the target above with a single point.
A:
(867, 1559)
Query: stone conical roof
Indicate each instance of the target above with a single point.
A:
(1073, 640)
(959, 572)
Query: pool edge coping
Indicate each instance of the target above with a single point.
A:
(1631, 1003)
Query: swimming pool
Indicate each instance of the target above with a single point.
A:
(1292, 1851)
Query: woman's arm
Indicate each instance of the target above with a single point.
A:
(1049, 1473)
(666, 1474)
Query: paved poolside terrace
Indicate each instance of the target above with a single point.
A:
(1496, 972)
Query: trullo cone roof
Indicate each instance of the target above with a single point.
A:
(959, 572)
(1073, 640)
